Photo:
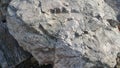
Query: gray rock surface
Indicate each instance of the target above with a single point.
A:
(115, 4)
(11, 53)
(66, 33)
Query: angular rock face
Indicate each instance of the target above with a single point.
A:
(66, 33)
(11, 53)
(115, 4)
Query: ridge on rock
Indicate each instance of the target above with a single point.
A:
(11, 53)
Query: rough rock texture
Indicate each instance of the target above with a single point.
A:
(115, 4)
(11, 53)
(118, 61)
(67, 33)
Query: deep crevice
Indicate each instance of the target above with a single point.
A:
(77, 35)
(118, 17)
(85, 32)
(28, 63)
(4, 21)
(46, 66)
(117, 61)
(32, 63)
(112, 22)
(3, 10)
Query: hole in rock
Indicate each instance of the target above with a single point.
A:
(64, 10)
(74, 11)
(119, 27)
(28, 63)
(58, 10)
(85, 32)
(46, 66)
(112, 22)
(55, 10)
(52, 10)
(69, 19)
(117, 60)
(77, 34)
(32, 63)
(98, 16)
(4, 21)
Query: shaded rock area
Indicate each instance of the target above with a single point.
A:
(117, 61)
(28, 63)
(32, 63)
(11, 53)
(115, 4)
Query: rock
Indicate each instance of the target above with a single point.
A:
(3, 9)
(113, 23)
(28, 63)
(118, 61)
(118, 17)
(11, 53)
(115, 4)
(66, 33)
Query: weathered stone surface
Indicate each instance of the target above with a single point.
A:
(66, 33)
(11, 53)
(118, 61)
(115, 4)
(3, 9)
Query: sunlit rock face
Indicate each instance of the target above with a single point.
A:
(66, 33)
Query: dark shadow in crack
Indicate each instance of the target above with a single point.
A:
(72, 53)
(115, 4)
(13, 53)
(118, 17)
(32, 63)
(97, 64)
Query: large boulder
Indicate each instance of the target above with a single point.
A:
(66, 33)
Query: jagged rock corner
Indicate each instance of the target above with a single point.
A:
(60, 33)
